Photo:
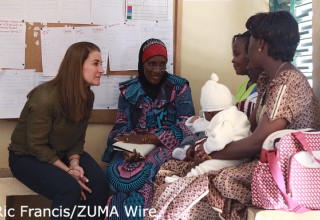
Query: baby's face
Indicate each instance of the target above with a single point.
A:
(209, 115)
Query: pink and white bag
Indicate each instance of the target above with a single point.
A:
(287, 176)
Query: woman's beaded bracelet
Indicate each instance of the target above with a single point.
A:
(69, 170)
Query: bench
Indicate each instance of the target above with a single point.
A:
(261, 214)
(10, 186)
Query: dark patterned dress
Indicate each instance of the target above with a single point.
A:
(228, 192)
(131, 183)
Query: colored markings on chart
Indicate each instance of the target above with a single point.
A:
(129, 12)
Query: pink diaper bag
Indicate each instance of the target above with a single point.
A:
(287, 176)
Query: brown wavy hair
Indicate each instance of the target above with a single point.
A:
(75, 97)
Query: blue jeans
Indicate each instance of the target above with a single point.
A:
(60, 187)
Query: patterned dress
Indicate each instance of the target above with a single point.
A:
(246, 98)
(228, 192)
(131, 183)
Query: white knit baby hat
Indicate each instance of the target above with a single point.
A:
(215, 96)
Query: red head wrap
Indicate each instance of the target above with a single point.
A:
(155, 49)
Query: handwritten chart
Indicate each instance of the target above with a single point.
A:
(147, 9)
(12, 44)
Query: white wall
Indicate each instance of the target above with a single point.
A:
(207, 30)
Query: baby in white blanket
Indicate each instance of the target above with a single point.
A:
(222, 124)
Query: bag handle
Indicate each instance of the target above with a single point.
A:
(279, 179)
(301, 137)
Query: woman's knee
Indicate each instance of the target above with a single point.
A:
(70, 189)
(102, 179)
(100, 184)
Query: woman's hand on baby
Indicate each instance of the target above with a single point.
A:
(201, 154)
(190, 154)
(193, 119)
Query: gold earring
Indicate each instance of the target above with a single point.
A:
(259, 50)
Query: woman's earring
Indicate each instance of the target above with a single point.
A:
(259, 50)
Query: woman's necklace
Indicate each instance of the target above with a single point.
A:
(282, 65)
(265, 97)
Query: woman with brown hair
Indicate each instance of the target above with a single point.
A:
(46, 152)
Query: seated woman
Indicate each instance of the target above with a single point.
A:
(46, 152)
(285, 100)
(152, 109)
(246, 94)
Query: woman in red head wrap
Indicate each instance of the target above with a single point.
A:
(152, 109)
